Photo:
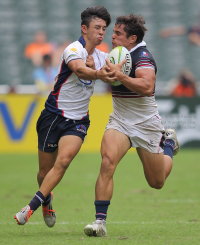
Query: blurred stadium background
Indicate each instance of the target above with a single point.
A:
(60, 19)
(19, 20)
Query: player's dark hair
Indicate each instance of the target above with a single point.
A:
(133, 25)
(95, 12)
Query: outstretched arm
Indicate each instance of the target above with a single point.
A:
(82, 71)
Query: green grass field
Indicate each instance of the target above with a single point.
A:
(138, 214)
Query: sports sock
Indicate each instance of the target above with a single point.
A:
(37, 200)
(101, 209)
(169, 147)
(47, 200)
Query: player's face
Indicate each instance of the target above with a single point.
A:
(96, 31)
(119, 37)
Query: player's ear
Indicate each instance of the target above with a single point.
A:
(133, 39)
(84, 29)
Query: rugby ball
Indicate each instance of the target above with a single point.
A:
(116, 56)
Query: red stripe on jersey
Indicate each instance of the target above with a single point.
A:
(129, 96)
(123, 93)
(57, 94)
(144, 62)
(132, 94)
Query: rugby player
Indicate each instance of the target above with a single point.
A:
(135, 121)
(63, 124)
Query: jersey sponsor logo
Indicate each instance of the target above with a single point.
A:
(85, 82)
(81, 128)
(16, 133)
(73, 49)
(51, 145)
(152, 143)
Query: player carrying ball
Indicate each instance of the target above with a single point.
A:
(135, 121)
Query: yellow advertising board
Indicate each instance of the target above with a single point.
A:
(19, 114)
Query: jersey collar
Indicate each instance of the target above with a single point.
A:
(82, 41)
(138, 45)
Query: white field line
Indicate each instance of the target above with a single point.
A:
(109, 223)
(126, 222)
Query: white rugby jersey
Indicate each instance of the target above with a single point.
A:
(71, 95)
(129, 107)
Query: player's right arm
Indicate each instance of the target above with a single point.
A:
(79, 67)
(82, 71)
(74, 60)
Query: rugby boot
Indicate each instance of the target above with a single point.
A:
(98, 228)
(171, 134)
(49, 214)
(23, 216)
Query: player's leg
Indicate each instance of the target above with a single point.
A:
(114, 146)
(154, 167)
(157, 166)
(47, 142)
(54, 132)
(46, 162)
(171, 148)
(68, 147)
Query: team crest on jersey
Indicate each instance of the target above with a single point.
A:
(73, 49)
(81, 128)
(144, 54)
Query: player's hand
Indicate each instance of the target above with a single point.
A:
(117, 67)
(106, 75)
(90, 62)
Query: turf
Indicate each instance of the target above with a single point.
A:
(138, 214)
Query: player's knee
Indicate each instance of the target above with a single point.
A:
(63, 162)
(156, 184)
(107, 166)
(43, 172)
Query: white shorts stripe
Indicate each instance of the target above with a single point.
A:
(49, 131)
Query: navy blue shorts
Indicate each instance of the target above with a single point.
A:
(51, 127)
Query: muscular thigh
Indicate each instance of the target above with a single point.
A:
(115, 144)
(68, 147)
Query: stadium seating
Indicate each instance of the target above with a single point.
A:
(19, 20)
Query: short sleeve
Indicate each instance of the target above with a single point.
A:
(72, 52)
(144, 61)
